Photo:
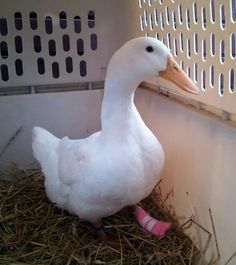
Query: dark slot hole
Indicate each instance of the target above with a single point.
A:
(4, 72)
(196, 42)
(55, 70)
(3, 26)
(77, 24)
(212, 10)
(213, 44)
(19, 67)
(233, 45)
(93, 42)
(188, 19)
(69, 65)
(63, 20)
(83, 70)
(221, 85)
(18, 21)
(174, 20)
(212, 75)
(48, 25)
(222, 13)
(91, 19)
(37, 44)
(33, 20)
(180, 14)
(66, 43)
(52, 47)
(203, 80)
(195, 72)
(232, 80)
(18, 44)
(80, 46)
(195, 12)
(4, 49)
(41, 66)
(233, 10)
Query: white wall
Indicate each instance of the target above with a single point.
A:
(76, 114)
(200, 159)
(200, 151)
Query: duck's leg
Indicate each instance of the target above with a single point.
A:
(99, 229)
(148, 223)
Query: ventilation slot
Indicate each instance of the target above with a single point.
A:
(174, 20)
(91, 19)
(233, 10)
(33, 20)
(212, 11)
(204, 22)
(93, 42)
(3, 26)
(4, 50)
(203, 80)
(195, 74)
(19, 67)
(41, 66)
(180, 13)
(55, 70)
(18, 44)
(212, 76)
(83, 70)
(18, 21)
(167, 15)
(232, 46)
(222, 51)
(188, 19)
(231, 80)
(204, 50)
(212, 42)
(80, 47)
(66, 43)
(195, 16)
(77, 24)
(69, 65)
(52, 47)
(37, 44)
(221, 84)
(222, 17)
(4, 72)
(195, 42)
(63, 20)
(48, 25)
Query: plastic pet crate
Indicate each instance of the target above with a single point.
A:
(53, 61)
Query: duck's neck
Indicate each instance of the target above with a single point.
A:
(118, 105)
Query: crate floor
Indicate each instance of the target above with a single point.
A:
(34, 231)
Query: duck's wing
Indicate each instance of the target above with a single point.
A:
(74, 158)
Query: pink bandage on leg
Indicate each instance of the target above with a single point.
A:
(156, 228)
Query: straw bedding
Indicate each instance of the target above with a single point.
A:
(34, 231)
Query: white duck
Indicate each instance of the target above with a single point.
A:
(120, 165)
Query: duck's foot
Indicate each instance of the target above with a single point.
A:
(149, 224)
(110, 237)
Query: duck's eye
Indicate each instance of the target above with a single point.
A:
(149, 49)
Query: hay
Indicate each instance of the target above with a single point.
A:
(34, 231)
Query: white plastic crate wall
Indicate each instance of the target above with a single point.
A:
(201, 35)
(57, 42)
(37, 46)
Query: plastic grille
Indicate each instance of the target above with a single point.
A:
(38, 47)
(201, 35)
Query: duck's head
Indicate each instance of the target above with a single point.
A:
(146, 57)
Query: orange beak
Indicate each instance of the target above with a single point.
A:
(175, 74)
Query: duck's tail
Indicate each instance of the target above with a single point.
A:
(44, 144)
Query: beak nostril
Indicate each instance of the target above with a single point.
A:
(175, 66)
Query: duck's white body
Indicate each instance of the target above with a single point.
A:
(118, 166)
